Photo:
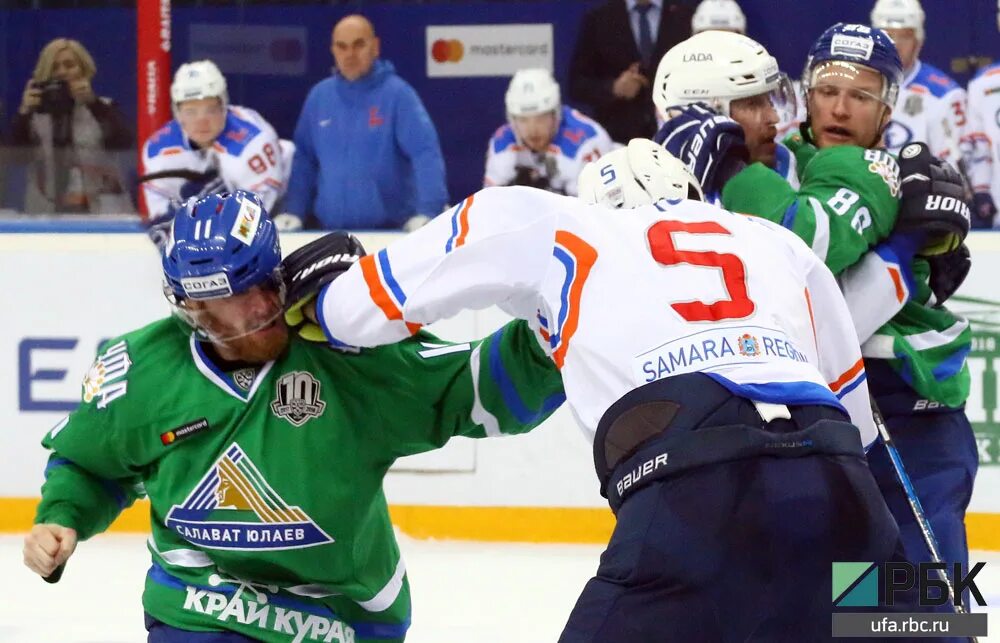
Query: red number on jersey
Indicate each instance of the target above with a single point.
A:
(959, 110)
(257, 163)
(661, 245)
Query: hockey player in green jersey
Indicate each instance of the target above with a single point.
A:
(263, 454)
(853, 195)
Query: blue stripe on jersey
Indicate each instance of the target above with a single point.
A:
(508, 391)
(853, 385)
(226, 379)
(364, 630)
(582, 130)
(112, 488)
(503, 138)
(890, 252)
(55, 463)
(789, 219)
(782, 160)
(952, 365)
(383, 261)
(170, 135)
(568, 262)
(237, 133)
(322, 321)
(936, 81)
(797, 393)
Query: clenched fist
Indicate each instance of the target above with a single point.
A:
(46, 547)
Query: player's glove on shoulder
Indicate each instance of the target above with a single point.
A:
(311, 267)
(932, 201)
(711, 145)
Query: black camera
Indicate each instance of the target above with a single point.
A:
(55, 98)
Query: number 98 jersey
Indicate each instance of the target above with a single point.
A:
(247, 155)
(620, 298)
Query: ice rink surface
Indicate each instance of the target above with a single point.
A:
(462, 592)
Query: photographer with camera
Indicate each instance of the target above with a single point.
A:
(70, 132)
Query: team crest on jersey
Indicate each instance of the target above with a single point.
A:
(233, 507)
(914, 104)
(244, 377)
(105, 381)
(882, 164)
(298, 398)
(748, 345)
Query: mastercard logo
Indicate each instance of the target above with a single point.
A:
(447, 51)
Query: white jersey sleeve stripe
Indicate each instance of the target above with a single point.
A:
(821, 237)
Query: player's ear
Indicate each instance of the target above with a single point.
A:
(377, 46)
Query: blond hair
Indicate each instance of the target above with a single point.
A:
(47, 59)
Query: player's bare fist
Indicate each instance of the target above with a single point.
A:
(48, 546)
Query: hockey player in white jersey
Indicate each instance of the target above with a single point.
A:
(233, 147)
(981, 149)
(718, 15)
(738, 78)
(930, 107)
(709, 356)
(544, 143)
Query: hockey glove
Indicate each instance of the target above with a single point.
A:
(932, 201)
(948, 271)
(311, 267)
(983, 210)
(158, 227)
(711, 145)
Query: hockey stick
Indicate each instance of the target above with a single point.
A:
(918, 511)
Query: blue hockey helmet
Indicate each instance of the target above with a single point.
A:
(860, 45)
(220, 245)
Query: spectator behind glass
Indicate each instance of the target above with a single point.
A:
(70, 131)
(367, 154)
(210, 146)
(544, 144)
(617, 49)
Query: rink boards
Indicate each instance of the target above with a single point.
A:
(68, 292)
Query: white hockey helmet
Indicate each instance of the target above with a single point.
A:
(718, 67)
(532, 91)
(899, 14)
(198, 79)
(636, 175)
(718, 14)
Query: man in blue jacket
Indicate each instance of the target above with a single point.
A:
(367, 154)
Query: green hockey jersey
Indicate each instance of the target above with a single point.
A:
(265, 485)
(846, 204)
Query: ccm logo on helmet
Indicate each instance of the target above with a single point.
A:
(207, 287)
(325, 261)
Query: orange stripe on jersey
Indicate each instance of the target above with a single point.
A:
(585, 256)
(380, 296)
(463, 221)
(848, 376)
(897, 281)
(992, 72)
(376, 290)
(812, 319)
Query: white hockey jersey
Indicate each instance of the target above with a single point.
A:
(930, 108)
(620, 298)
(982, 140)
(578, 141)
(247, 155)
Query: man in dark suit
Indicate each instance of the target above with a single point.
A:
(619, 45)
